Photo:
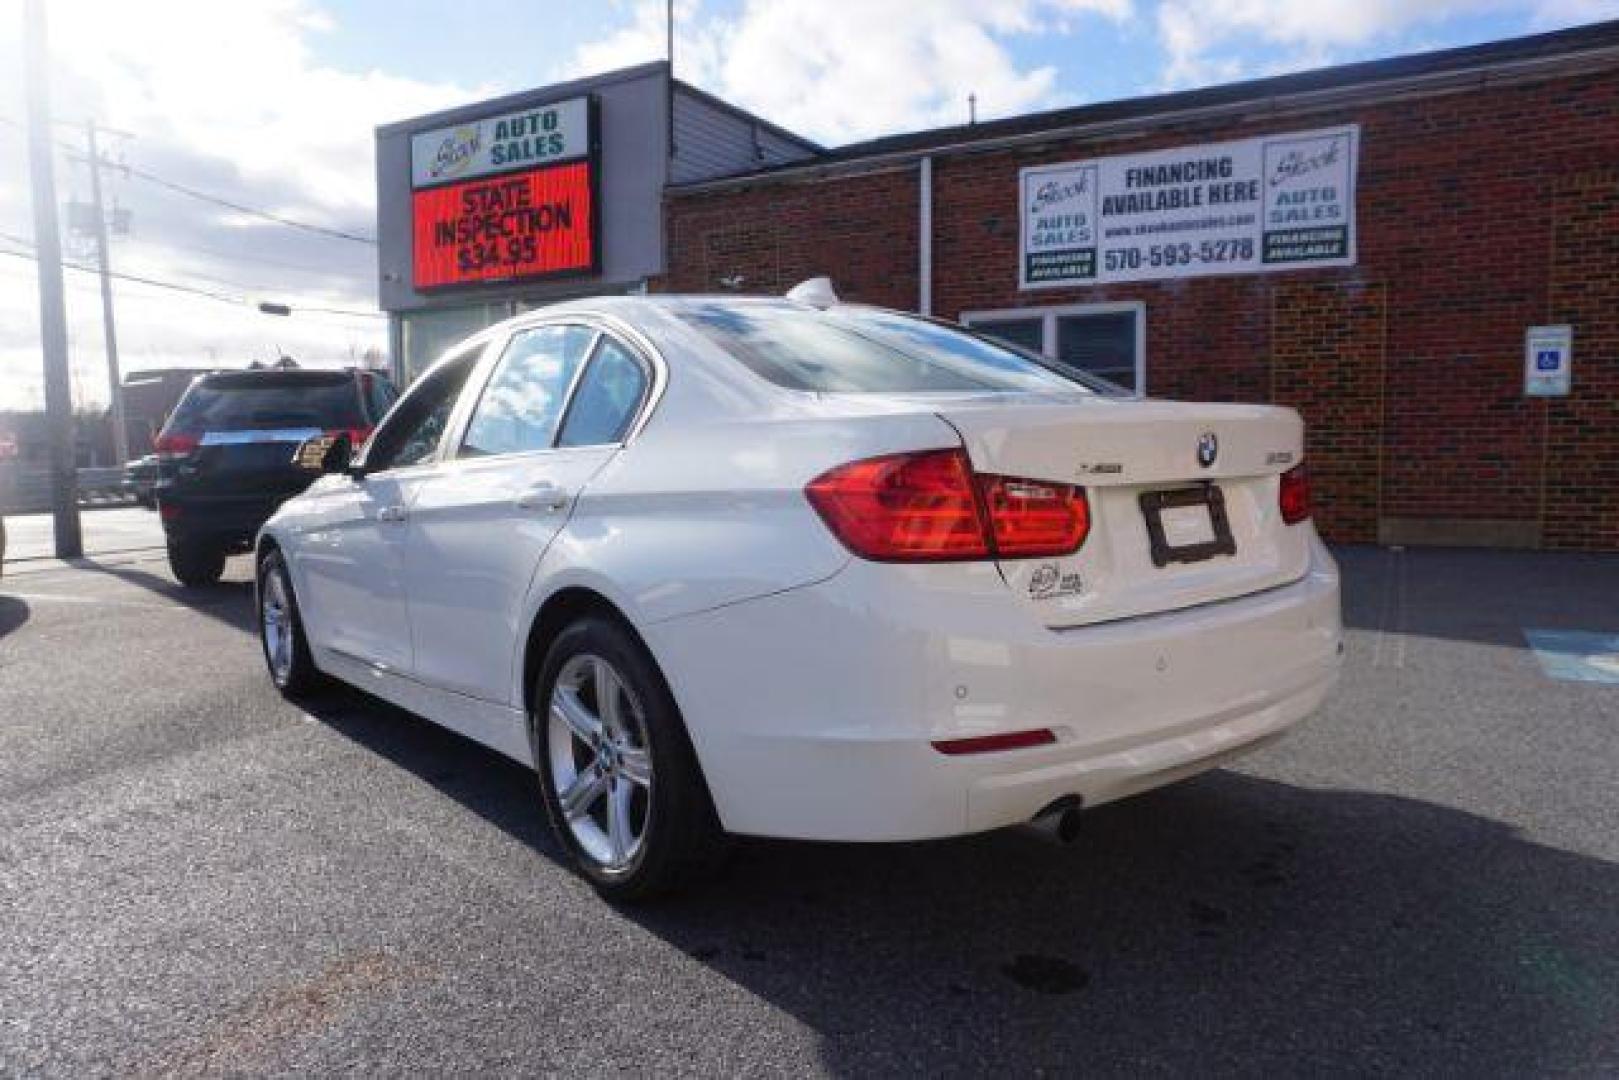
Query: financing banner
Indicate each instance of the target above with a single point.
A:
(1279, 202)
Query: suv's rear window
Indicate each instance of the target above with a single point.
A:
(246, 402)
(868, 350)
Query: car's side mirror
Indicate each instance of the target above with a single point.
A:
(325, 454)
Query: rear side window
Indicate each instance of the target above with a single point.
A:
(867, 350)
(263, 402)
(605, 403)
(523, 400)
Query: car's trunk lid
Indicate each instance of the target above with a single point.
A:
(1172, 525)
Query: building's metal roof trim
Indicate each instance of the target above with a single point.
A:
(1356, 84)
(740, 113)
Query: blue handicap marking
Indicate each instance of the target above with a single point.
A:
(1548, 360)
(1576, 655)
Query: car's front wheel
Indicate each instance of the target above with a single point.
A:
(618, 774)
(281, 630)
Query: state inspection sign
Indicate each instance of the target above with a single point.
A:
(507, 197)
(522, 225)
(1278, 202)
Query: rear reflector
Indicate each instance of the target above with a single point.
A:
(986, 744)
(1294, 495)
(930, 507)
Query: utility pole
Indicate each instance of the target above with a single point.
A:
(115, 388)
(52, 309)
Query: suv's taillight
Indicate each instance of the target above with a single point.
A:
(175, 443)
(1294, 495)
(930, 507)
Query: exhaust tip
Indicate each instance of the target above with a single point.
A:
(1060, 821)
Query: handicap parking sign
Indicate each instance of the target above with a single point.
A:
(1548, 361)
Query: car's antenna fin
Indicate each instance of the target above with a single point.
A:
(816, 292)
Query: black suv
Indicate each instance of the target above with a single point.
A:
(225, 457)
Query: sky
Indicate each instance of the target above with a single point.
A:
(271, 104)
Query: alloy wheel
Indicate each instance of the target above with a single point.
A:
(275, 613)
(600, 762)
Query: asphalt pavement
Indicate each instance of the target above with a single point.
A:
(197, 877)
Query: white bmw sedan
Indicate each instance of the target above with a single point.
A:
(725, 565)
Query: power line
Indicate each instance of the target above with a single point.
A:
(321, 230)
(229, 204)
(178, 287)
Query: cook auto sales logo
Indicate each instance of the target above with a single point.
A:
(1054, 193)
(456, 152)
(1296, 163)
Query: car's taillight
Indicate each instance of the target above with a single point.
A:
(175, 443)
(922, 507)
(1032, 518)
(1294, 495)
(356, 435)
(903, 507)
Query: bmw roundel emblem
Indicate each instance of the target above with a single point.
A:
(1208, 448)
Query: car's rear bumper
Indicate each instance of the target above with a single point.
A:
(228, 520)
(814, 711)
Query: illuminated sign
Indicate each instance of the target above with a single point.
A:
(525, 138)
(518, 225)
(506, 197)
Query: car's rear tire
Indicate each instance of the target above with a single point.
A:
(618, 774)
(196, 565)
(281, 630)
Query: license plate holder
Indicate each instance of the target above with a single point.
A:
(1209, 496)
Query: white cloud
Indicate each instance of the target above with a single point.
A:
(228, 98)
(838, 72)
(1207, 42)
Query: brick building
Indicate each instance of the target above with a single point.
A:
(1482, 192)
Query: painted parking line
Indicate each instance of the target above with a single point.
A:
(64, 598)
(1576, 655)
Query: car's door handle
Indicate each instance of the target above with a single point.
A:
(391, 514)
(543, 496)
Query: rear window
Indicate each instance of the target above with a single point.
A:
(869, 350)
(248, 402)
